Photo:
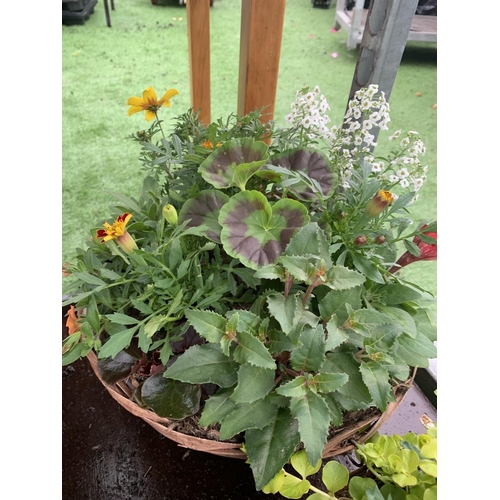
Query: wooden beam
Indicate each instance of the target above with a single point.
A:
(198, 24)
(260, 47)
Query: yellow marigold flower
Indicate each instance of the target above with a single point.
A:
(149, 102)
(379, 202)
(118, 232)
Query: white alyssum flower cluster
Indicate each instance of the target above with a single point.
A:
(354, 140)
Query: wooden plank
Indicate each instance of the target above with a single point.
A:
(260, 47)
(198, 24)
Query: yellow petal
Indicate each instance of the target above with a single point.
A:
(134, 101)
(167, 96)
(134, 109)
(149, 94)
(150, 115)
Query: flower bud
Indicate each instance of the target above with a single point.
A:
(379, 202)
(360, 240)
(170, 214)
(379, 239)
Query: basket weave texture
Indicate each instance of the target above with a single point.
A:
(339, 444)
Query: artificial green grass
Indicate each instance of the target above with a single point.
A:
(147, 45)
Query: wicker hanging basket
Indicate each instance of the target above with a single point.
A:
(339, 444)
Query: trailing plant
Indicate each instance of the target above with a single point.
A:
(255, 281)
(402, 468)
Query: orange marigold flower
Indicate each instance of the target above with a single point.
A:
(118, 232)
(377, 204)
(72, 321)
(149, 102)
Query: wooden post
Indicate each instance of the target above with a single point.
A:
(260, 47)
(198, 24)
(384, 40)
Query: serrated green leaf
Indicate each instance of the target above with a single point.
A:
(309, 356)
(329, 382)
(254, 382)
(312, 413)
(253, 415)
(402, 318)
(209, 325)
(117, 342)
(270, 448)
(310, 240)
(335, 335)
(216, 408)
(342, 278)
(293, 389)
(376, 379)
(251, 350)
(415, 352)
(397, 293)
(334, 302)
(201, 364)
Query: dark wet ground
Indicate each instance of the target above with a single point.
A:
(109, 454)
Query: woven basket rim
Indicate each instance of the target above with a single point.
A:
(339, 444)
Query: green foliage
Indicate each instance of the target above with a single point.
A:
(238, 265)
(403, 468)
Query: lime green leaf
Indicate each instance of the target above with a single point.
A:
(430, 493)
(376, 379)
(254, 382)
(312, 413)
(429, 467)
(302, 466)
(293, 487)
(358, 486)
(274, 485)
(170, 398)
(202, 364)
(335, 476)
(208, 324)
(141, 306)
(270, 448)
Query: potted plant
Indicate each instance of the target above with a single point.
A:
(253, 289)
(392, 467)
